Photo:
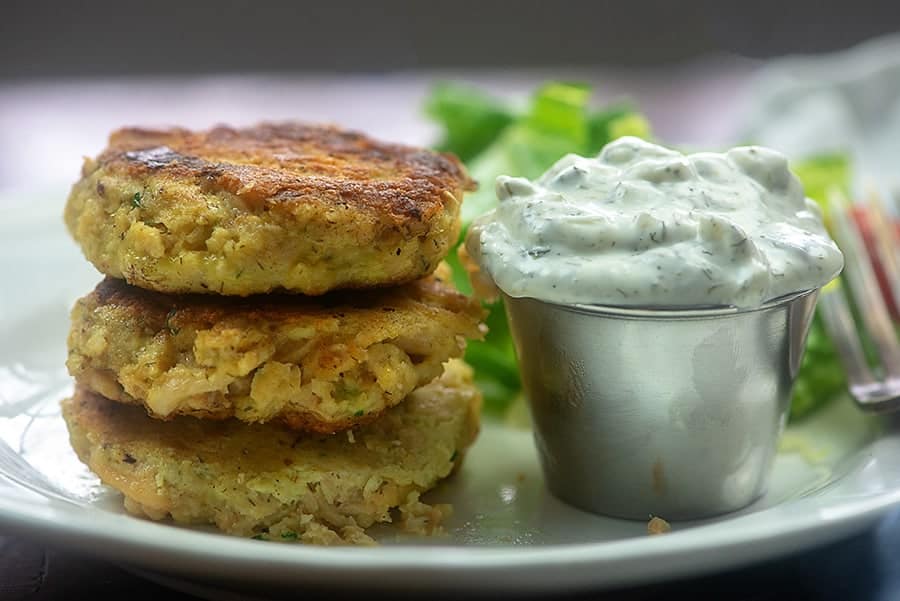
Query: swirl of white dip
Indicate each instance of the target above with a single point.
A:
(643, 225)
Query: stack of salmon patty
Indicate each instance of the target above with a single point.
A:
(275, 348)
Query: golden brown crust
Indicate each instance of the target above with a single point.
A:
(161, 311)
(281, 163)
(321, 364)
(274, 207)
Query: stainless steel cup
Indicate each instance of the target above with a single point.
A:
(674, 413)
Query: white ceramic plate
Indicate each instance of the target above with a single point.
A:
(835, 474)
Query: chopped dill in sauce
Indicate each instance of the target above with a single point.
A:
(644, 225)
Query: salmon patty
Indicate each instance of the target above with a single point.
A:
(314, 363)
(270, 482)
(274, 207)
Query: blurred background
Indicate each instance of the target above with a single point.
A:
(703, 73)
(106, 37)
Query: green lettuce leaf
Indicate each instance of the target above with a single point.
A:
(820, 174)
(821, 377)
(494, 139)
(471, 120)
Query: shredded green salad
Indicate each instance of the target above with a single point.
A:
(494, 138)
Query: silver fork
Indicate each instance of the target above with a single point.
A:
(875, 393)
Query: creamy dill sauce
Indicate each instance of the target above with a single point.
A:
(643, 225)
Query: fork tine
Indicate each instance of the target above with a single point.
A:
(885, 243)
(864, 286)
(842, 330)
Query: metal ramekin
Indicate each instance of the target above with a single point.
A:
(670, 413)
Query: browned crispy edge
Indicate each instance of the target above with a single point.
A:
(159, 309)
(272, 165)
(293, 420)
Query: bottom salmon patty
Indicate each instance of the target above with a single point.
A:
(267, 481)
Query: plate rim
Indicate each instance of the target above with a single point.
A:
(174, 549)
